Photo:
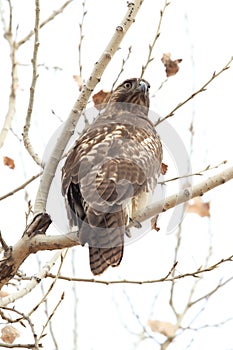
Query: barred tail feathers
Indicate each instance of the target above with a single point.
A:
(104, 233)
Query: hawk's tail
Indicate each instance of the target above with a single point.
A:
(102, 258)
(104, 232)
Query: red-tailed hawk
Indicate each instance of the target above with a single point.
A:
(110, 171)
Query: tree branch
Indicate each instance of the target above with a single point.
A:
(157, 35)
(34, 239)
(14, 80)
(26, 140)
(186, 194)
(81, 39)
(19, 319)
(124, 61)
(42, 24)
(21, 187)
(202, 88)
(19, 346)
(167, 278)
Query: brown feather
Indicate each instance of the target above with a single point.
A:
(116, 160)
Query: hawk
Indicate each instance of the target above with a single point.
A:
(110, 171)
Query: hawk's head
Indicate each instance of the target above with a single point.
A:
(134, 91)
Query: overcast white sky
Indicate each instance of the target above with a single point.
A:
(200, 33)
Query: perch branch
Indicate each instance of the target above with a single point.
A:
(34, 238)
(186, 194)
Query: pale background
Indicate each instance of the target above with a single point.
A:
(200, 33)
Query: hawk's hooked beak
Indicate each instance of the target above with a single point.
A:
(142, 87)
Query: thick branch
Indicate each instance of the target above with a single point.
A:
(68, 130)
(33, 283)
(186, 194)
(35, 240)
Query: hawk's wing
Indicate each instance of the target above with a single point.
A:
(108, 167)
(111, 166)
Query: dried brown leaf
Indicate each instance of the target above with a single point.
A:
(172, 67)
(9, 162)
(199, 207)
(165, 328)
(9, 334)
(101, 97)
(163, 168)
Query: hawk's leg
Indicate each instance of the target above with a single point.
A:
(134, 223)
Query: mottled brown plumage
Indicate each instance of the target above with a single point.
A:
(109, 171)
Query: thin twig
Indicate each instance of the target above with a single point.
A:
(207, 295)
(26, 140)
(27, 318)
(194, 94)
(151, 46)
(218, 324)
(14, 79)
(51, 315)
(20, 346)
(46, 309)
(172, 290)
(122, 67)
(21, 187)
(160, 87)
(137, 317)
(75, 301)
(193, 274)
(42, 24)
(33, 282)
(62, 255)
(198, 173)
(81, 39)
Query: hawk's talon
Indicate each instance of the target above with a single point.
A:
(135, 223)
(128, 233)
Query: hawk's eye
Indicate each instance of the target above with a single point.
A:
(127, 85)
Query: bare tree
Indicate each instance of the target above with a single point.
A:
(186, 293)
